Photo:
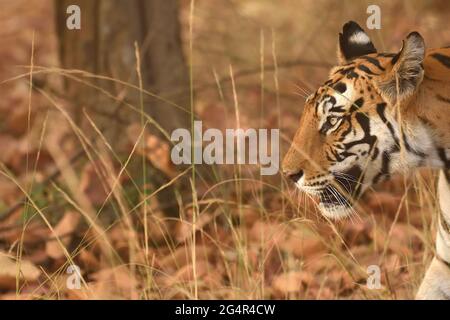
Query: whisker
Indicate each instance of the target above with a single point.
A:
(300, 94)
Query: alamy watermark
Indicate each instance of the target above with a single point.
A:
(374, 277)
(230, 148)
(74, 279)
(374, 19)
(73, 22)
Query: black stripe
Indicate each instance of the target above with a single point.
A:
(443, 99)
(442, 155)
(365, 69)
(445, 60)
(447, 263)
(380, 110)
(367, 139)
(425, 121)
(345, 71)
(386, 156)
(376, 151)
(349, 73)
(387, 55)
(329, 158)
(447, 175)
(357, 104)
(385, 164)
(348, 130)
(340, 87)
(375, 62)
(395, 58)
(444, 222)
(338, 109)
(410, 149)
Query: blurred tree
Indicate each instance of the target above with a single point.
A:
(105, 46)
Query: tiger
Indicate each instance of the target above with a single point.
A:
(377, 114)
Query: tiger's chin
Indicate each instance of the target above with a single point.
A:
(335, 212)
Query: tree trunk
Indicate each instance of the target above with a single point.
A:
(105, 46)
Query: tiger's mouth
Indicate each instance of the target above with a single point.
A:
(333, 204)
(337, 197)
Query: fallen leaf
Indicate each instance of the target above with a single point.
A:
(88, 261)
(264, 232)
(114, 283)
(302, 243)
(34, 233)
(93, 185)
(9, 271)
(184, 229)
(291, 282)
(156, 150)
(187, 272)
(181, 256)
(383, 203)
(64, 229)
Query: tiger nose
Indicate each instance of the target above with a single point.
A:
(294, 175)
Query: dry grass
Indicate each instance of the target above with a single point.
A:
(241, 236)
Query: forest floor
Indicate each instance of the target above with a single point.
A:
(252, 237)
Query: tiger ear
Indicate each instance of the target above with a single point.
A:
(406, 74)
(353, 43)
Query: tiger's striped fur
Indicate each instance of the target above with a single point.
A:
(376, 115)
(436, 284)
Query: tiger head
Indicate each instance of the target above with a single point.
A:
(349, 135)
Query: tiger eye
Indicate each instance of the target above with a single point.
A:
(333, 120)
